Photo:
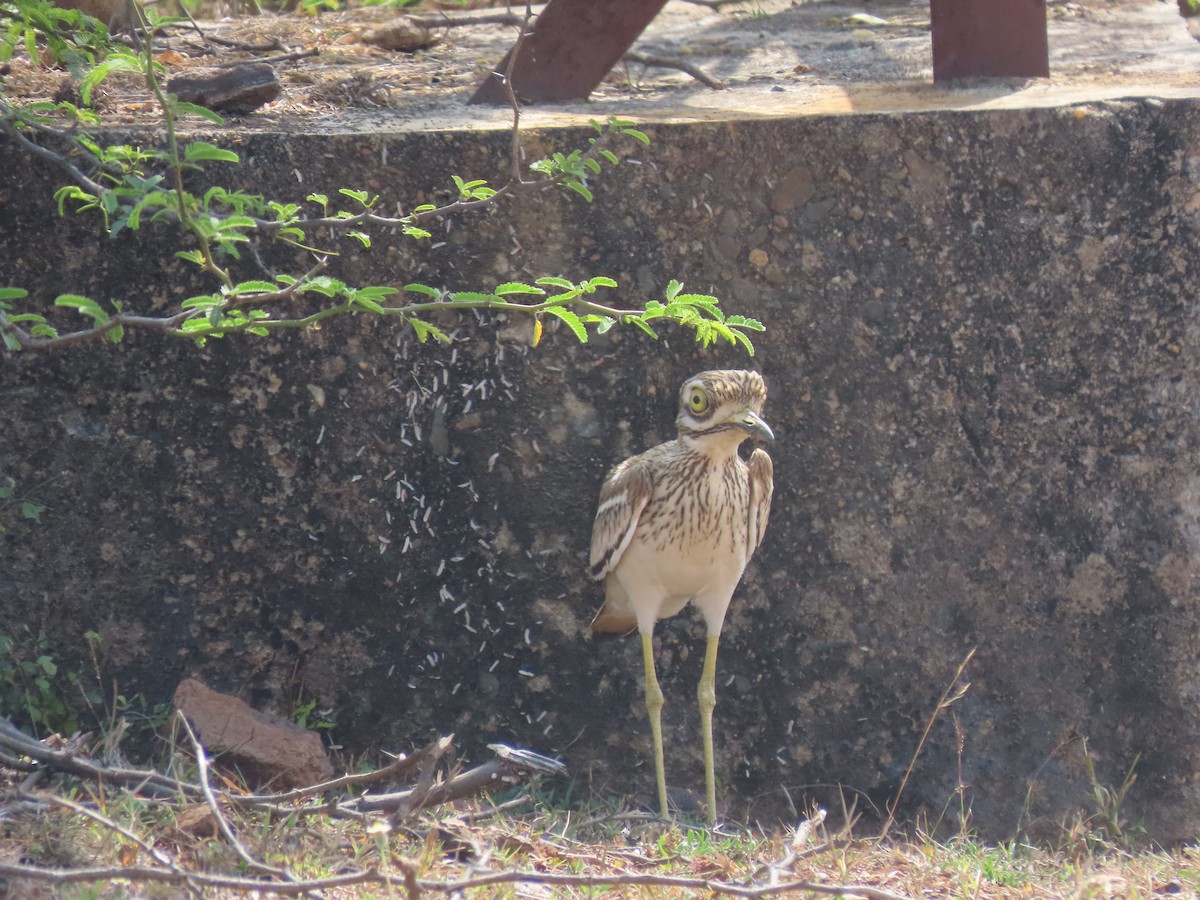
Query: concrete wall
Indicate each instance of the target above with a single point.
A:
(982, 357)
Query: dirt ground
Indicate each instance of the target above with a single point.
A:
(777, 57)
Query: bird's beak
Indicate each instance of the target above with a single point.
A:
(751, 422)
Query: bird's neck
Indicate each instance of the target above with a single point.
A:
(717, 448)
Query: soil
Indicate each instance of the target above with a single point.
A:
(776, 57)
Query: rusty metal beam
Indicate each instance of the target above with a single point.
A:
(993, 38)
(573, 46)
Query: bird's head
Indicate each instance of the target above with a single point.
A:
(720, 409)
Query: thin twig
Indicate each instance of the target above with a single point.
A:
(943, 704)
(471, 17)
(672, 62)
(511, 92)
(289, 56)
(373, 876)
(215, 807)
(399, 766)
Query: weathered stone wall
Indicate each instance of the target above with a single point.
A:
(982, 357)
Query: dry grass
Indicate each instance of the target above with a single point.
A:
(67, 830)
(536, 848)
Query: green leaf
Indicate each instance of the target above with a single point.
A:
(581, 189)
(366, 303)
(640, 323)
(117, 62)
(199, 151)
(654, 310)
(609, 155)
(705, 302)
(360, 196)
(425, 289)
(115, 334)
(471, 297)
(253, 287)
(11, 341)
(509, 288)
(572, 321)
(552, 281)
(204, 301)
(601, 281)
(46, 664)
(743, 322)
(73, 192)
(325, 286)
(231, 222)
(13, 293)
(636, 135)
(425, 331)
(377, 292)
(196, 110)
(83, 305)
(745, 342)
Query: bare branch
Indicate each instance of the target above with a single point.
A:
(671, 62)
(373, 876)
(215, 807)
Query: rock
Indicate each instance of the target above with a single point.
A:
(402, 35)
(239, 90)
(269, 748)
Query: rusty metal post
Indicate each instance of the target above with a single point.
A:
(573, 46)
(989, 38)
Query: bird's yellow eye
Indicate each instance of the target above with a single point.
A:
(698, 401)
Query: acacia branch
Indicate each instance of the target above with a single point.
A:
(171, 325)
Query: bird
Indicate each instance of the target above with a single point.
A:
(678, 524)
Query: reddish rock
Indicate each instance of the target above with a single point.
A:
(264, 746)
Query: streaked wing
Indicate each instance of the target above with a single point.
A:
(623, 496)
(762, 486)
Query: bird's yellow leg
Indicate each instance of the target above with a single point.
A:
(707, 695)
(654, 705)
